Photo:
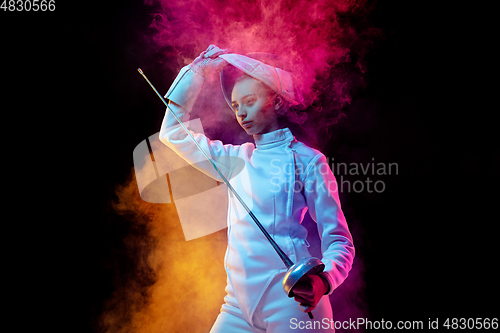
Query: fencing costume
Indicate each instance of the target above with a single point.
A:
(282, 178)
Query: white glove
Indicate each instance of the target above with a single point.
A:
(208, 61)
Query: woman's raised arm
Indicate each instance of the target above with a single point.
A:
(182, 96)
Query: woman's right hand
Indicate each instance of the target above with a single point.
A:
(208, 61)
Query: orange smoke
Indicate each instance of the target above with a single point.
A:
(175, 286)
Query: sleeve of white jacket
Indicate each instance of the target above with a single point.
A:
(183, 93)
(321, 193)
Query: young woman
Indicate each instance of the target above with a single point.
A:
(285, 178)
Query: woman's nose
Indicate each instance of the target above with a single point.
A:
(242, 113)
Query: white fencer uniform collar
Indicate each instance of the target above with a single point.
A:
(272, 139)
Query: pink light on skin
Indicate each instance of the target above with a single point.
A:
(254, 107)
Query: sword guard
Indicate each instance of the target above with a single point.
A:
(305, 266)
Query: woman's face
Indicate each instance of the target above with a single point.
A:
(254, 106)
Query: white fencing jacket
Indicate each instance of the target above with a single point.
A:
(280, 179)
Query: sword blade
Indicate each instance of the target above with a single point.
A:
(286, 260)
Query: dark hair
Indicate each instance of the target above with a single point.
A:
(295, 122)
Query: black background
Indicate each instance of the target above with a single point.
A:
(75, 105)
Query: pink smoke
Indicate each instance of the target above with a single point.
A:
(323, 41)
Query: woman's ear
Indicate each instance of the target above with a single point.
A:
(278, 102)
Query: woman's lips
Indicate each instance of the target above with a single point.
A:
(246, 124)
